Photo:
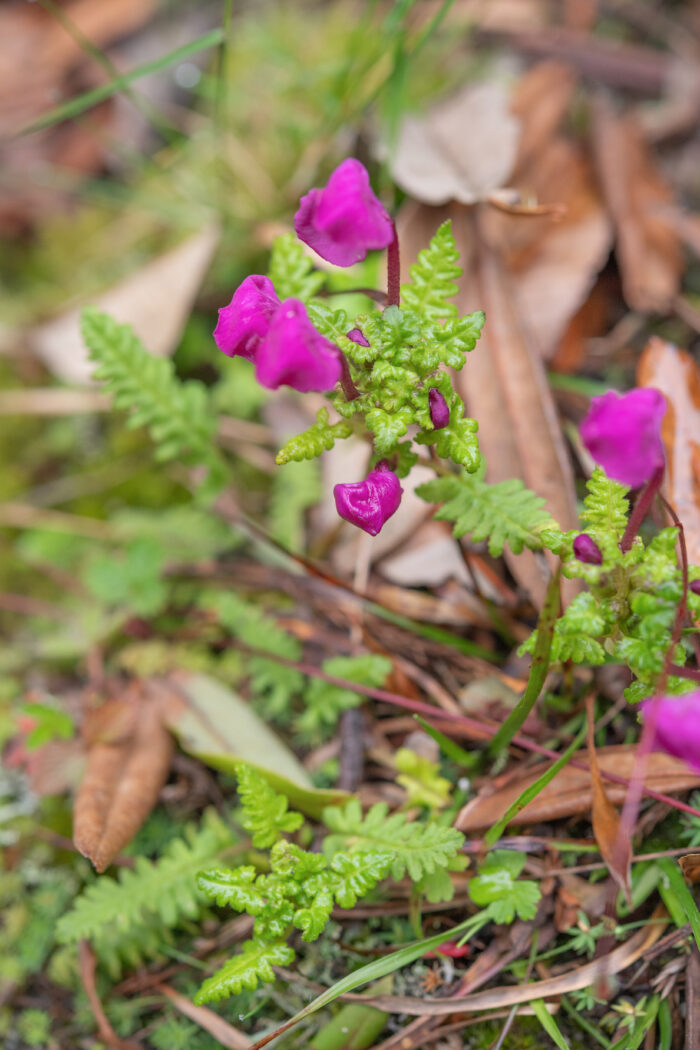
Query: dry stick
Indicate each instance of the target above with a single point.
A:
(473, 725)
(630, 810)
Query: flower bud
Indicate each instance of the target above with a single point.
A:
(623, 434)
(343, 221)
(694, 586)
(245, 322)
(587, 550)
(439, 409)
(676, 725)
(369, 503)
(294, 353)
(358, 336)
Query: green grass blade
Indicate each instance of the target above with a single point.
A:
(450, 748)
(682, 894)
(83, 102)
(548, 1023)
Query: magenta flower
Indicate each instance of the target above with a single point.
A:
(439, 409)
(343, 221)
(677, 728)
(246, 320)
(294, 354)
(369, 503)
(623, 434)
(587, 550)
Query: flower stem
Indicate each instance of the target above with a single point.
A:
(683, 603)
(641, 509)
(393, 272)
(346, 381)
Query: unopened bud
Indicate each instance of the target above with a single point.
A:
(587, 550)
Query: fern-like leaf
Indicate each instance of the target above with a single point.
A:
(165, 887)
(232, 887)
(177, 414)
(247, 621)
(321, 436)
(506, 512)
(245, 970)
(324, 702)
(433, 277)
(292, 271)
(294, 491)
(605, 506)
(355, 874)
(265, 813)
(457, 441)
(414, 847)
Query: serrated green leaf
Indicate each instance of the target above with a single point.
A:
(247, 969)
(232, 887)
(264, 812)
(606, 505)
(433, 277)
(321, 436)
(292, 271)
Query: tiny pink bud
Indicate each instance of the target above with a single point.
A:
(623, 434)
(369, 503)
(694, 586)
(358, 336)
(676, 725)
(587, 550)
(295, 354)
(439, 409)
(343, 221)
(245, 322)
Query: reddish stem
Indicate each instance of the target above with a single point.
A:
(393, 272)
(349, 389)
(641, 509)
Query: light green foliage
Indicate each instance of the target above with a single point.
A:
(178, 415)
(393, 375)
(417, 848)
(606, 505)
(34, 1027)
(292, 271)
(238, 392)
(320, 435)
(51, 724)
(505, 512)
(264, 813)
(324, 703)
(132, 581)
(497, 888)
(421, 780)
(245, 970)
(294, 491)
(433, 277)
(163, 888)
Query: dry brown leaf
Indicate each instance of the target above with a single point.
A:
(570, 793)
(224, 1033)
(690, 866)
(675, 373)
(156, 300)
(121, 783)
(606, 820)
(647, 249)
(540, 101)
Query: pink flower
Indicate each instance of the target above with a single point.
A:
(245, 322)
(677, 725)
(294, 354)
(438, 408)
(343, 221)
(587, 550)
(369, 503)
(623, 434)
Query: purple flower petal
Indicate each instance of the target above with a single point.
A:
(677, 725)
(439, 409)
(343, 221)
(623, 434)
(246, 320)
(587, 550)
(369, 503)
(295, 354)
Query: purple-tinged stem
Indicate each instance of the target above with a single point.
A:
(641, 509)
(683, 603)
(684, 672)
(393, 272)
(346, 381)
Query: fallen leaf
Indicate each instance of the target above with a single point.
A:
(540, 101)
(215, 725)
(156, 300)
(606, 820)
(122, 781)
(675, 373)
(570, 793)
(647, 248)
(462, 150)
(690, 866)
(224, 1033)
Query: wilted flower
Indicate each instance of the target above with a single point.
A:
(294, 353)
(369, 503)
(587, 550)
(677, 725)
(623, 434)
(246, 320)
(439, 409)
(343, 221)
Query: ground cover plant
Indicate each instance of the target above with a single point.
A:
(339, 710)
